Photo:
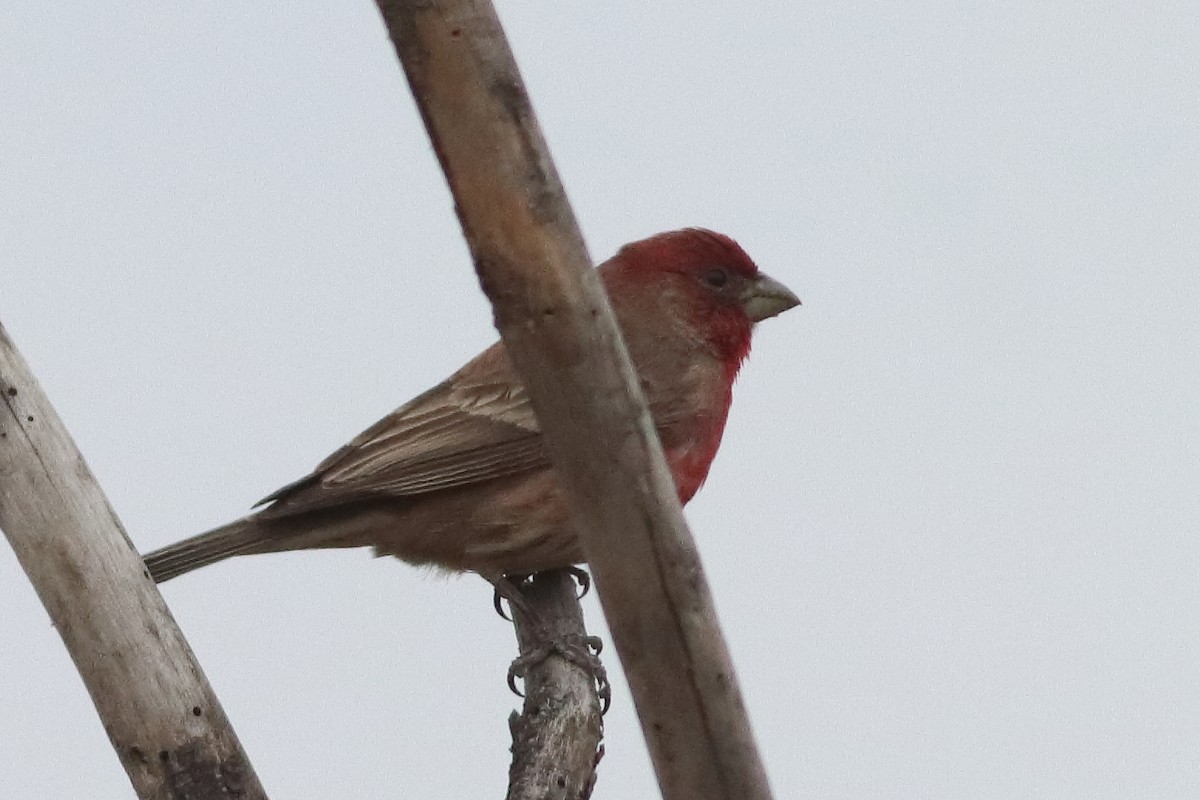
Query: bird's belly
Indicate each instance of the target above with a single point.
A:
(518, 525)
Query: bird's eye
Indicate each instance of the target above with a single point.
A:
(716, 278)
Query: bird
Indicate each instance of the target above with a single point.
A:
(458, 478)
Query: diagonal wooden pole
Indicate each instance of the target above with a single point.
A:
(162, 717)
(560, 332)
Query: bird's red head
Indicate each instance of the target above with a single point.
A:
(706, 279)
(689, 250)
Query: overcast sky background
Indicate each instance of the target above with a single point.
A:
(953, 529)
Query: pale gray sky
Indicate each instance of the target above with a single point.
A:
(953, 530)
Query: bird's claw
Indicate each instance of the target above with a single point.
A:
(496, 604)
(505, 587)
(582, 651)
(584, 580)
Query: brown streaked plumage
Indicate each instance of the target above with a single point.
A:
(458, 477)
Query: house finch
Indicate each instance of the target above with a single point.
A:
(458, 477)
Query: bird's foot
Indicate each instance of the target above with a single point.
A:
(582, 651)
(581, 577)
(507, 587)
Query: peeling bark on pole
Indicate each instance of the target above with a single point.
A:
(560, 332)
(156, 705)
(556, 738)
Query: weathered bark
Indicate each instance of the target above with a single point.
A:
(560, 332)
(556, 738)
(159, 711)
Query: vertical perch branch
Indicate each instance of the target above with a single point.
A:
(560, 332)
(162, 717)
(556, 738)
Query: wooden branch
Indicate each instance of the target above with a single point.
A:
(156, 705)
(560, 332)
(556, 738)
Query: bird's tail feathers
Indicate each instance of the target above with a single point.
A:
(246, 535)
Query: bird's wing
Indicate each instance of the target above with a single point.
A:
(476, 426)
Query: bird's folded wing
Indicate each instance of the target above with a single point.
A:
(475, 427)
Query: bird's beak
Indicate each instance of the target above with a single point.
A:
(764, 297)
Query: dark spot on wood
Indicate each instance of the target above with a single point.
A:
(135, 752)
(193, 771)
(540, 182)
(562, 781)
(29, 418)
(456, 33)
(12, 391)
(489, 271)
(195, 711)
(511, 95)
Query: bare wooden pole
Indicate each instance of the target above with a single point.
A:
(561, 334)
(556, 738)
(162, 717)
